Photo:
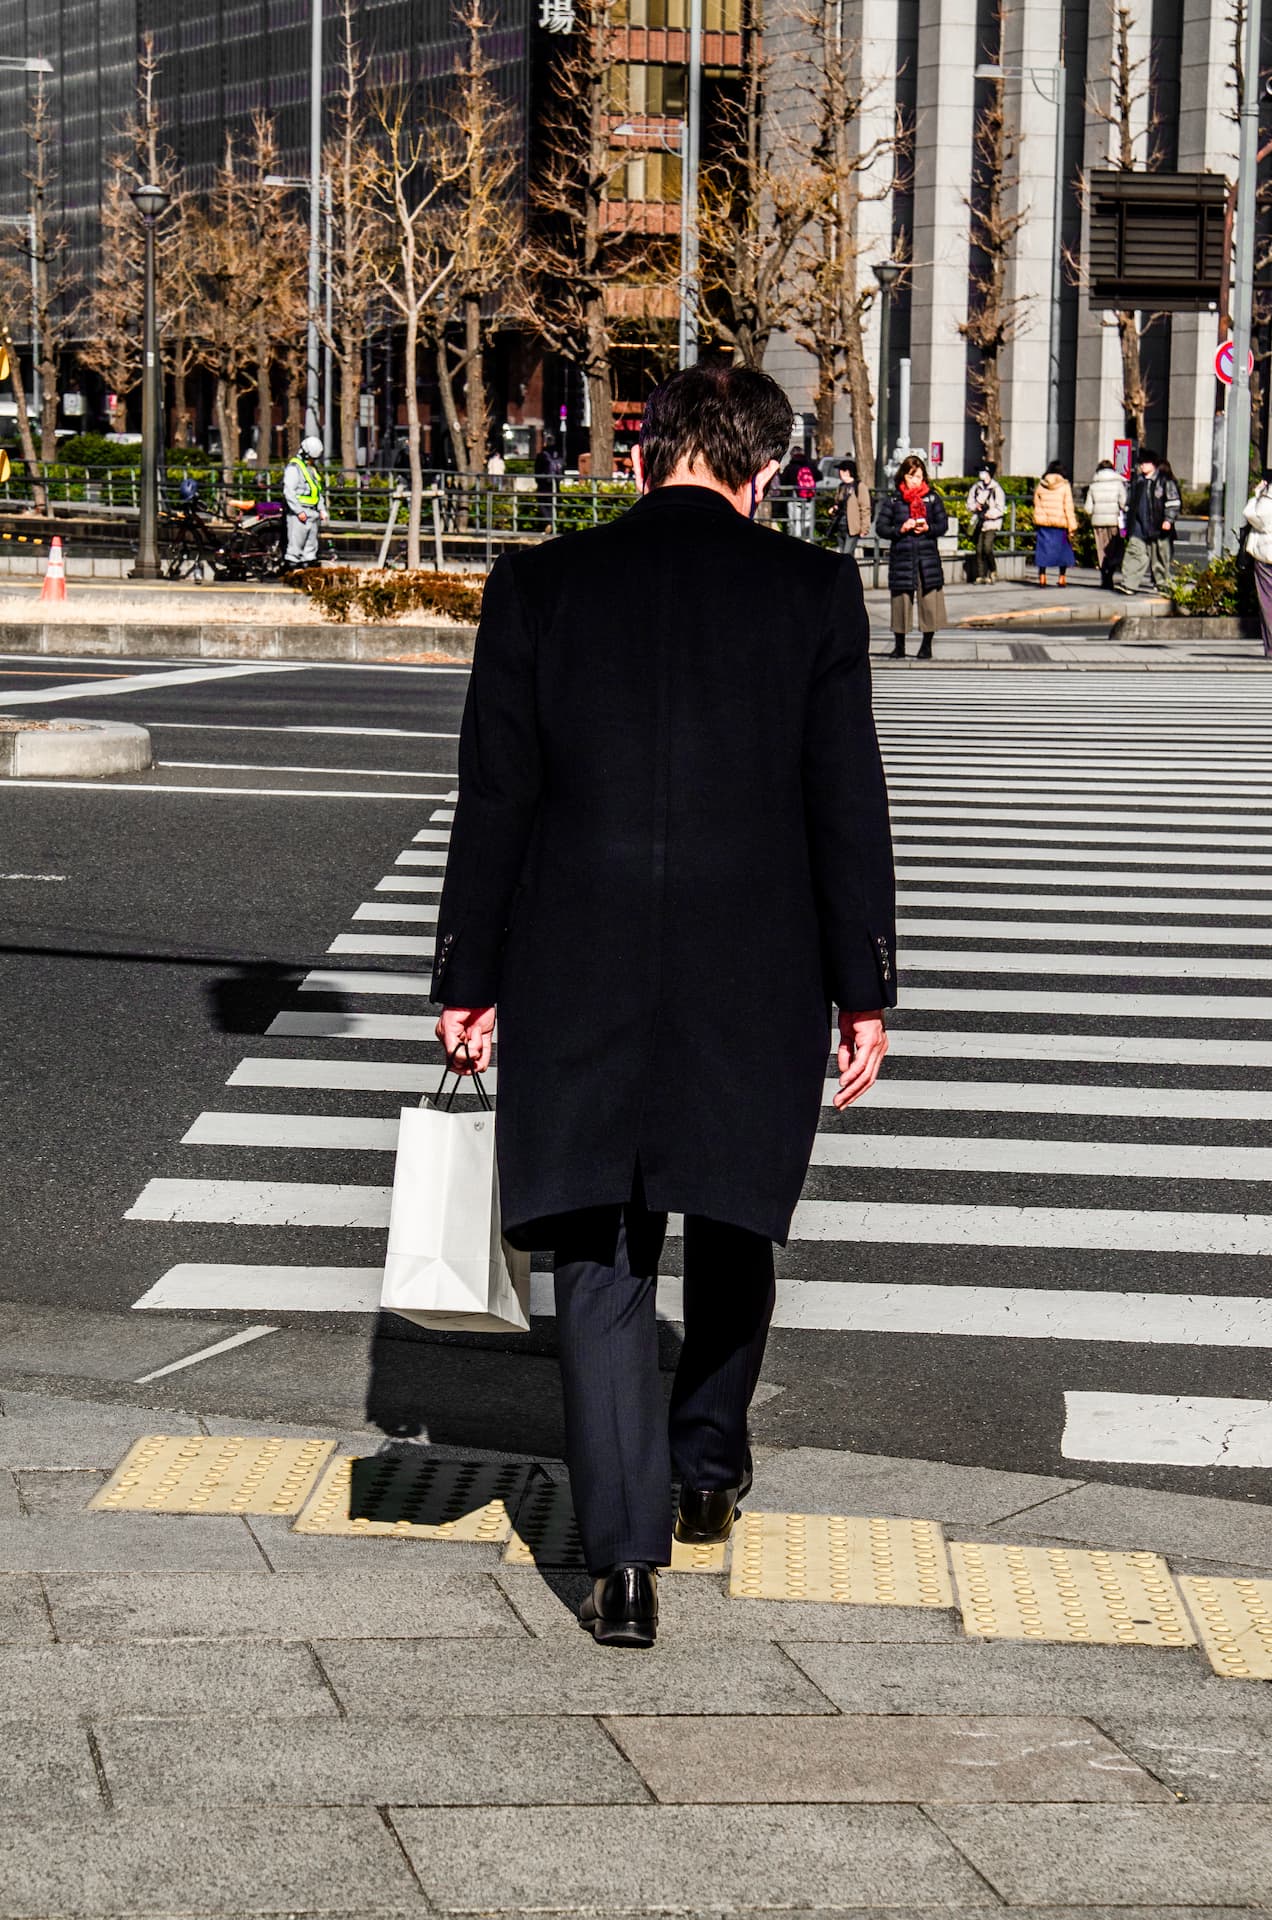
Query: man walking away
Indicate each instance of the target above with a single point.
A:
(850, 517)
(800, 480)
(1151, 513)
(1258, 518)
(1106, 505)
(548, 468)
(670, 856)
(987, 504)
(305, 503)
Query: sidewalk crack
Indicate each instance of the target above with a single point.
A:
(99, 1768)
(1075, 1486)
(925, 1813)
(387, 1819)
(835, 1709)
(325, 1677)
(48, 1608)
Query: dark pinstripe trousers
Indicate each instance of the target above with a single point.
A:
(622, 1442)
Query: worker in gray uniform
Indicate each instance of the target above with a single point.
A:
(305, 502)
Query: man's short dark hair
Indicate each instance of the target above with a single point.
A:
(733, 419)
(1147, 458)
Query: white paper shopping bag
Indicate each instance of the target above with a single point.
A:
(448, 1265)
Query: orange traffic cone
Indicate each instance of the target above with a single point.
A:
(54, 587)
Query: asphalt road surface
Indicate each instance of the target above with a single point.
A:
(1042, 1243)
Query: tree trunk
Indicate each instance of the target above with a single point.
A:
(264, 401)
(297, 378)
(225, 409)
(860, 398)
(39, 493)
(991, 388)
(350, 395)
(600, 395)
(1134, 393)
(824, 400)
(180, 396)
(415, 509)
(450, 412)
(48, 406)
(476, 397)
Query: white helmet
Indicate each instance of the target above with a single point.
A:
(311, 447)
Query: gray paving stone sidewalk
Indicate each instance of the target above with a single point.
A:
(205, 1718)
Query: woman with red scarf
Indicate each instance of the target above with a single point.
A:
(913, 518)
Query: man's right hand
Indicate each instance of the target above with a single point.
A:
(863, 1042)
(466, 1033)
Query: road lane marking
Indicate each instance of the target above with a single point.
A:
(1169, 1430)
(339, 1076)
(1114, 966)
(438, 859)
(1065, 930)
(1181, 824)
(326, 980)
(263, 1203)
(1080, 1229)
(247, 1289)
(403, 945)
(436, 836)
(319, 1131)
(206, 1353)
(1208, 909)
(268, 766)
(1043, 874)
(229, 726)
(892, 1095)
(147, 682)
(405, 910)
(443, 813)
(1179, 842)
(234, 793)
(1097, 1048)
(34, 876)
(432, 883)
(351, 1026)
(1108, 1006)
(1101, 1159)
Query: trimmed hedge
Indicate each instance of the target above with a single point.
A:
(1215, 588)
(343, 593)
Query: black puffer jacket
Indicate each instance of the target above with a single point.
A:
(914, 563)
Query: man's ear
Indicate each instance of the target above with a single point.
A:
(765, 478)
(638, 468)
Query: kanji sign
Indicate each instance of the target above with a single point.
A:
(556, 16)
(1225, 363)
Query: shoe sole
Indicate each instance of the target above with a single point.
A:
(691, 1537)
(621, 1633)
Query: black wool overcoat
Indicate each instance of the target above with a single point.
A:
(914, 560)
(670, 855)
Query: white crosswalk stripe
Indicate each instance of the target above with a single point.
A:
(1039, 830)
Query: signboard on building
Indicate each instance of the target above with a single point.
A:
(556, 16)
(1157, 240)
(1122, 450)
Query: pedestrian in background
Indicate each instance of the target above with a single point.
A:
(987, 504)
(1151, 512)
(1106, 505)
(304, 502)
(1258, 546)
(850, 517)
(548, 468)
(913, 518)
(677, 835)
(1055, 523)
(800, 481)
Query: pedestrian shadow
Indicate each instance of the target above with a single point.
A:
(251, 998)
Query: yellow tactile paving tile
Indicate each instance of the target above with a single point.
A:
(194, 1474)
(858, 1561)
(387, 1495)
(1234, 1619)
(546, 1535)
(1086, 1598)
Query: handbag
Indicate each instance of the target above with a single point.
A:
(448, 1265)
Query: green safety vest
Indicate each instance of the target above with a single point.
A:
(314, 491)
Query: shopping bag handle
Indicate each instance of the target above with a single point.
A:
(448, 1070)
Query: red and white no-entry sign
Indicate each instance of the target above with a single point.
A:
(1225, 363)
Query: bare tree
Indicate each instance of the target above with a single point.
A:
(282, 247)
(35, 266)
(583, 244)
(112, 317)
(413, 269)
(351, 165)
(995, 318)
(758, 196)
(828, 300)
(480, 231)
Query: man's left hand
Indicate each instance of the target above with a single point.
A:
(863, 1042)
(466, 1034)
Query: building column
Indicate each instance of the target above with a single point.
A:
(1031, 54)
(1207, 144)
(870, 28)
(942, 167)
(1099, 414)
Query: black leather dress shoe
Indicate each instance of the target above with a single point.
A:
(707, 1515)
(622, 1608)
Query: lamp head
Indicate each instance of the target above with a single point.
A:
(887, 273)
(149, 201)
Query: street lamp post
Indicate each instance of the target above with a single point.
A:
(1243, 264)
(150, 202)
(312, 424)
(887, 273)
(311, 419)
(691, 145)
(993, 71)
